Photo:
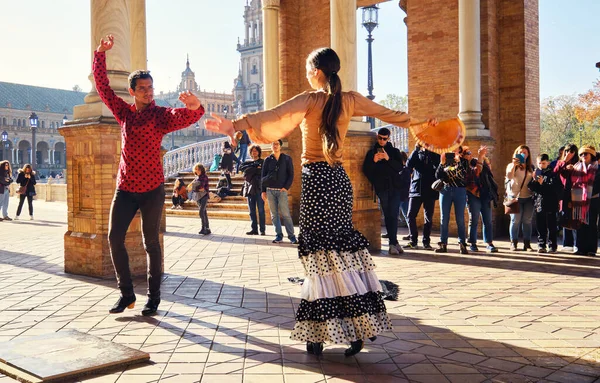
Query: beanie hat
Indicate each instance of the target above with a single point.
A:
(588, 149)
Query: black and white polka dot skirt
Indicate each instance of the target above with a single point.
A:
(341, 294)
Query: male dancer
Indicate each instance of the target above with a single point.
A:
(140, 182)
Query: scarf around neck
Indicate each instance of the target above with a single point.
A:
(582, 178)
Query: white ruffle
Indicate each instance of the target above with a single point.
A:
(330, 262)
(344, 330)
(339, 285)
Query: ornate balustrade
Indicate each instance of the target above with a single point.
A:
(186, 157)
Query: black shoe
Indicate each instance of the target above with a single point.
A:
(252, 232)
(385, 236)
(463, 248)
(542, 250)
(354, 348)
(206, 232)
(203, 231)
(406, 238)
(427, 246)
(513, 246)
(122, 304)
(314, 348)
(263, 233)
(442, 248)
(150, 307)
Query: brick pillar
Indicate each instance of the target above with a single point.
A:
(93, 147)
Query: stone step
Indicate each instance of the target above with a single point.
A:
(224, 204)
(237, 215)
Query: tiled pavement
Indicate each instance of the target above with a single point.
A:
(227, 310)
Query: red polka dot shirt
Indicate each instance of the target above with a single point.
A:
(140, 167)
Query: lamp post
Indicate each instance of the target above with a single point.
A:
(5, 143)
(225, 110)
(65, 119)
(33, 122)
(370, 21)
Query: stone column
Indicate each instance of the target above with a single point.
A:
(469, 68)
(12, 153)
(109, 17)
(343, 39)
(271, 52)
(93, 146)
(49, 157)
(137, 21)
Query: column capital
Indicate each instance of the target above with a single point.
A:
(271, 4)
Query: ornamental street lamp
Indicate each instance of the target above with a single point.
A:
(225, 110)
(65, 119)
(370, 17)
(33, 122)
(5, 142)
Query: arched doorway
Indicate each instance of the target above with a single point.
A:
(42, 157)
(24, 152)
(59, 153)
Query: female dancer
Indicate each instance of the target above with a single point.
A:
(341, 295)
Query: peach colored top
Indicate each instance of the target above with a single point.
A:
(305, 110)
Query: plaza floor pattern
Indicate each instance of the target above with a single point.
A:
(227, 310)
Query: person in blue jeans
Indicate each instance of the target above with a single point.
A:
(454, 172)
(518, 175)
(482, 190)
(5, 181)
(277, 177)
(252, 191)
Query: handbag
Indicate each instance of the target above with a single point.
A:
(23, 189)
(511, 205)
(437, 185)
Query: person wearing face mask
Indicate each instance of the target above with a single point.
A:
(518, 175)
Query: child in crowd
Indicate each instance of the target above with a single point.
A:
(179, 194)
(200, 188)
(227, 161)
(547, 192)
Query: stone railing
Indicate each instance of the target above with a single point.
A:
(45, 191)
(398, 137)
(186, 157)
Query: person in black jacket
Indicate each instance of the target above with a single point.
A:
(547, 190)
(252, 190)
(424, 164)
(5, 181)
(277, 177)
(226, 164)
(26, 178)
(382, 166)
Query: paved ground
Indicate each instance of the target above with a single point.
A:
(228, 309)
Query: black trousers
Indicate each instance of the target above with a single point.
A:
(122, 211)
(547, 229)
(587, 235)
(178, 200)
(414, 205)
(29, 202)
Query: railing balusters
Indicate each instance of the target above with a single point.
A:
(186, 157)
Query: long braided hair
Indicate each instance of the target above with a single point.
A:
(328, 62)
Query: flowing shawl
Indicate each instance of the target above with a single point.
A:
(582, 178)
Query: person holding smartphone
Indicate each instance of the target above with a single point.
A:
(453, 170)
(383, 167)
(519, 174)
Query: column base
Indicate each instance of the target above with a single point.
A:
(474, 125)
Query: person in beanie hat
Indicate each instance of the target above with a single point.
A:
(584, 199)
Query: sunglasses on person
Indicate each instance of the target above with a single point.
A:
(382, 138)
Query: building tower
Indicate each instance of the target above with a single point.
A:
(248, 86)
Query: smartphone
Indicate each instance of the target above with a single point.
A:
(449, 157)
(380, 150)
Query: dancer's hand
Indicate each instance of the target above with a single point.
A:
(106, 45)
(432, 121)
(220, 125)
(190, 100)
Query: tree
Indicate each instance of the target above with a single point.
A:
(395, 102)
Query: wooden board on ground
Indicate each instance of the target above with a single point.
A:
(63, 355)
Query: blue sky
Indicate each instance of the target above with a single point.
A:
(39, 49)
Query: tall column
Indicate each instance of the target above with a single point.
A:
(12, 156)
(271, 52)
(469, 68)
(343, 40)
(109, 17)
(93, 146)
(137, 20)
(49, 157)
